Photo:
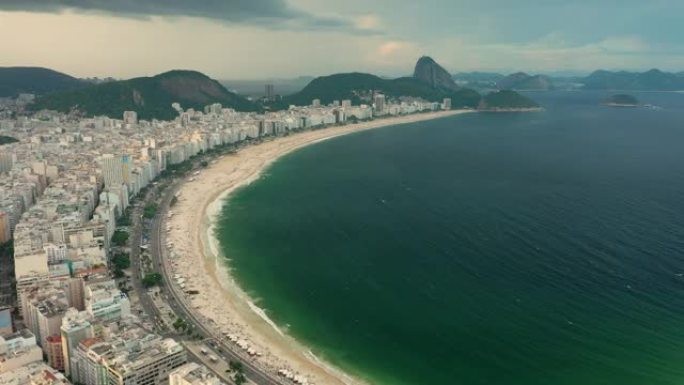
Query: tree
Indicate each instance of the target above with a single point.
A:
(7, 249)
(239, 378)
(150, 211)
(120, 238)
(125, 219)
(235, 366)
(179, 324)
(7, 140)
(204, 163)
(121, 261)
(151, 279)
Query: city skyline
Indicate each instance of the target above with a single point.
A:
(268, 39)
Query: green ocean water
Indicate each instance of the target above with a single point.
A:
(543, 248)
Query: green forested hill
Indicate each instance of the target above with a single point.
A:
(151, 97)
(35, 80)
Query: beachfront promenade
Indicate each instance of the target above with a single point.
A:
(182, 309)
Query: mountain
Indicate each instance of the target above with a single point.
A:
(523, 81)
(429, 72)
(653, 80)
(429, 83)
(506, 100)
(359, 88)
(35, 80)
(151, 97)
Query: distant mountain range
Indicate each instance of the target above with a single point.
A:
(517, 81)
(653, 80)
(523, 81)
(35, 80)
(487, 77)
(430, 82)
(151, 97)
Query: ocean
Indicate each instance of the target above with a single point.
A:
(533, 248)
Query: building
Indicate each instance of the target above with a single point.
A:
(446, 104)
(17, 350)
(53, 351)
(112, 170)
(43, 307)
(7, 160)
(193, 374)
(105, 302)
(270, 92)
(5, 321)
(132, 357)
(5, 227)
(76, 327)
(130, 117)
(316, 103)
(55, 253)
(36, 373)
(379, 104)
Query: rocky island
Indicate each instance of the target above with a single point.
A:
(622, 100)
(507, 101)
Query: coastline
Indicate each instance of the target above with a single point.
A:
(221, 301)
(497, 109)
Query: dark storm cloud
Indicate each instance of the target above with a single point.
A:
(267, 13)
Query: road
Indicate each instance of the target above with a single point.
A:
(176, 299)
(147, 304)
(134, 241)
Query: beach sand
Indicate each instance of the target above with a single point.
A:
(196, 258)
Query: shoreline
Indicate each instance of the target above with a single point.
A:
(221, 301)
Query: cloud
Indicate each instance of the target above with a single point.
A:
(393, 55)
(368, 22)
(276, 14)
(556, 51)
(390, 47)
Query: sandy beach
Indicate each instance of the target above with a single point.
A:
(196, 258)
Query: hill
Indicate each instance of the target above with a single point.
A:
(359, 87)
(506, 100)
(653, 80)
(523, 81)
(429, 72)
(151, 97)
(35, 80)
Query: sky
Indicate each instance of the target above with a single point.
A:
(260, 39)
